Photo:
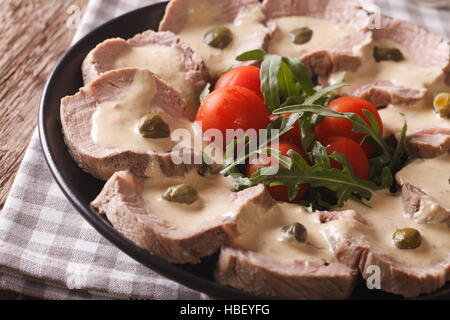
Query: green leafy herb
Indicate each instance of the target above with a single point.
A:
(288, 89)
(300, 73)
(359, 125)
(342, 182)
(270, 70)
(256, 54)
(205, 92)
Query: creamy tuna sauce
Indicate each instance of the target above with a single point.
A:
(402, 73)
(214, 199)
(432, 176)
(326, 34)
(164, 61)
(418, 115)
(264, 235)
(115, 123)
(384, 218)
(245, 28)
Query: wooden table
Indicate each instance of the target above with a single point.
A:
(33, 36)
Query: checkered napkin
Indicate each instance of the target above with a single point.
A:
(47, 250)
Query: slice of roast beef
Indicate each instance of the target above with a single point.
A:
(417, 41)
(179, 12)
(414, 202)
(428, 142)
(254, 272)
(262, 259)
(105, 56)
(383, 93)
(323, 62)
(76, 119)
(123, 202)
(394, 277)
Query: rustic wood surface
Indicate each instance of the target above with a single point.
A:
(34, 36)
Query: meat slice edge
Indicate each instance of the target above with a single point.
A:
(225, 11)
(122, 202)
(251, 271)
(428, 142)
(395, 277)
(348, 12)
(76, 119)
(104, 56)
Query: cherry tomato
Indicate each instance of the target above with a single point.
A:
(353, 152)
(232, 108)
(292, 135)
(279, 193)
(331, 127)
(244, 76)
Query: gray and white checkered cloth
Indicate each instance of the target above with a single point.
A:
(47, 250)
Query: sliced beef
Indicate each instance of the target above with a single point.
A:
(243, 266)
(415, 199)
(122, 202)
(224, 11)
(395, 277)
(428, 142)
(176, 15)
(76, 118)
(254, 272)
(347, 12)
(418, 42)
(382, 93)
(426, 49)
(104, 56)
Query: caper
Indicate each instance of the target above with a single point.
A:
(386, 54)
(218, 37)
(181, 193)
(296, 231)
(300, 35)
(153, 126)
(441, 105)
(407, 238)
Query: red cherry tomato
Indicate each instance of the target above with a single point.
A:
(232, 108)
(292, 135)
(279, 193)
(354, 154)
(244, 76)
(333, 127)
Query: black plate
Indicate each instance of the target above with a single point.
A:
(81, 188)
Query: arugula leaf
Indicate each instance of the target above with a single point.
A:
(270, 69)
(300, 73)
(395, 162)
(359, 125)
(206, 90)
(342, 182)
(320, 155)
(322, 92)
(387, 178)
(240, 181)
(372, 120)
(286, 82)
(251, 55)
